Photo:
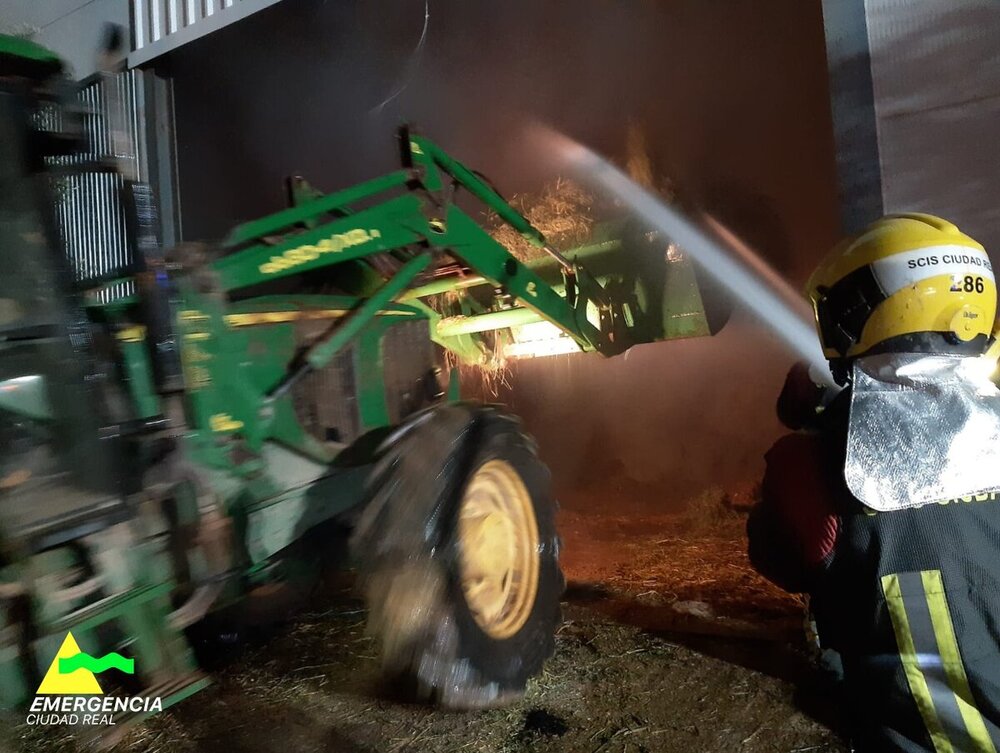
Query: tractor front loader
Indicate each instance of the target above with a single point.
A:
(181, 435)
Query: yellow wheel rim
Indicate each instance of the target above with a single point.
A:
(498, 549)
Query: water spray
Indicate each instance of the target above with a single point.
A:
(719, 253)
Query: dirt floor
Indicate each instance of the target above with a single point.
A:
(670, 643)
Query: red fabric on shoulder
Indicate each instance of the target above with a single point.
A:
(799, 397)
(801, 489)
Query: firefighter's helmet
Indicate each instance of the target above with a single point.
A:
(908, 283)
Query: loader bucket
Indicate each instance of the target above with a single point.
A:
(650, 285)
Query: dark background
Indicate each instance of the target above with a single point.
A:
(733, 98)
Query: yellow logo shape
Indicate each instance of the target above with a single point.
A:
(78, 682)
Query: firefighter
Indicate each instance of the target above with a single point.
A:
(883, 505)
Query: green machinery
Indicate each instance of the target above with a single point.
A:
(176, 435)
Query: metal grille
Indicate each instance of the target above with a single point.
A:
(408, 358)
(325, 401)
(88, 204)
(159, 26)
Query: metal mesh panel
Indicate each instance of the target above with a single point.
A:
(88, 204)
(408, 357)
(326, 400)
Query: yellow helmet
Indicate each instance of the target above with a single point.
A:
(907, 283)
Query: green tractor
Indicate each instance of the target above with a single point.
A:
(185, 438)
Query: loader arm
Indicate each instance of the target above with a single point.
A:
(409, 212)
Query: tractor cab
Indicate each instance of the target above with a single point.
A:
(57, 474)
(75, 553)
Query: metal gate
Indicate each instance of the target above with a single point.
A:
(88, 203)
(127, 123)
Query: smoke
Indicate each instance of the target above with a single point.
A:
(654, 427)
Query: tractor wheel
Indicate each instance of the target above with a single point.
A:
(459, 556)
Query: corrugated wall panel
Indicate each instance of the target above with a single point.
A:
(936, 79)
(853, 109)
(159, 26)
(88, 204)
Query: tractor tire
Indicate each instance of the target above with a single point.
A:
(459, 557)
